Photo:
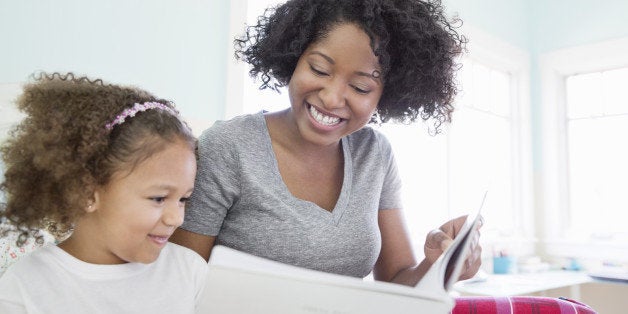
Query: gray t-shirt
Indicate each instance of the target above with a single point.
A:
(241, 198)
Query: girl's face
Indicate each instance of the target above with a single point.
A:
(135, 213)
(336, 86)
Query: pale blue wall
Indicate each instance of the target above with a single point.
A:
(543, 25)
(175, 49)
(504, 19)
(563, 23)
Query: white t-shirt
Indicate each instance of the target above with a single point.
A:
(50, 280)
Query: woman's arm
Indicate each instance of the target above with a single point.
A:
(397, 262)
(199, 243)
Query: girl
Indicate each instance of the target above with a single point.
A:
(112, 167)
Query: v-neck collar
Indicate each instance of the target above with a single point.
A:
(312, 209)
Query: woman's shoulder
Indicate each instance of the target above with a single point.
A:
(237, 125)
(233, 131)
(368, 131)
(368, 138)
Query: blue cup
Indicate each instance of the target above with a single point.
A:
(504, 264)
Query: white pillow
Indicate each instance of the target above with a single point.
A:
(10, 252)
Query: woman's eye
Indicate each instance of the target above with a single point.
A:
(184, 200)
(158, 199)
(317, 72)
(360, 90)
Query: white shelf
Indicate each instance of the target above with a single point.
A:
(524, 284)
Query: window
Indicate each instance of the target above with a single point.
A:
(485, 147)
(597, 125)
(584, 166)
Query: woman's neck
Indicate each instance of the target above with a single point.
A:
(283, 131)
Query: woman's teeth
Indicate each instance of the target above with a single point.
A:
(323, 119)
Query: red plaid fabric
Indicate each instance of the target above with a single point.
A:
(519, 305)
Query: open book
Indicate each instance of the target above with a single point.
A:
(243, 283)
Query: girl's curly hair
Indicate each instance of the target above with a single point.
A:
(414, 41)
(61, 151)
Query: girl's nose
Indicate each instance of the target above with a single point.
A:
(173, 215)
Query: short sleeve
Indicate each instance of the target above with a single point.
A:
(391, 190)
(216, 187)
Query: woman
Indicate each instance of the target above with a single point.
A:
(312, 186)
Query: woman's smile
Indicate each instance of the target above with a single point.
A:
(323, 119)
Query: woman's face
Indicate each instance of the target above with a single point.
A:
(336, 86)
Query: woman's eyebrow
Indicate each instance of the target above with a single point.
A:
(360, 73)
(326, 57)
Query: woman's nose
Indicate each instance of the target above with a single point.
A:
(333, 94)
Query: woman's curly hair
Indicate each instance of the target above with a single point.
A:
(61, 151)
(414, 41)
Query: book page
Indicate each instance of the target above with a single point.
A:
(228, 258)
(459, 254)
(241, 283)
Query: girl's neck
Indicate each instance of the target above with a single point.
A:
(82, 246)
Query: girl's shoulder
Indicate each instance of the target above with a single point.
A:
(189, 266)
(181, 253)
(33, 262)
(10, 252)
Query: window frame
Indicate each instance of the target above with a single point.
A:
(555, 67)
(234, 98)
(500, 55)
(238, 80)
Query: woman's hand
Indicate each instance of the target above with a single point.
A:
(438, 240)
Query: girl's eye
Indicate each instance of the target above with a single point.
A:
(318, 72)
(184, 200)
